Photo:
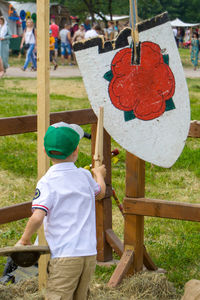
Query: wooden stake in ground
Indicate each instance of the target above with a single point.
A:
(104, 206)
(98, 155)
(42, 109)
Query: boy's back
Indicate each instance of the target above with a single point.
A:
(67, 194)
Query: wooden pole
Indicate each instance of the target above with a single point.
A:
(98, 155)
(42, 110)
(132, 258)
(103, 207)
(134, 21)
(134, 225)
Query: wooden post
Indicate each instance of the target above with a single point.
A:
(104, 206)
(132, 258)
(98, 155)
(134, 225)
(42, 110)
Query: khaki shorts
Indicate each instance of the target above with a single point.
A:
(69, 277)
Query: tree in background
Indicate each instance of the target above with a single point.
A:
(83, 8)
(149, 8)
(187, 11)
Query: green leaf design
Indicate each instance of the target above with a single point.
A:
(169, 104)
(166, 59)
(129, 115)
(108, 76)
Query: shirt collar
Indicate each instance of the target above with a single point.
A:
(63, 166)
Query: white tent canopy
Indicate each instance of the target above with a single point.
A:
(178, 23)
(26, 6)
(107, 17)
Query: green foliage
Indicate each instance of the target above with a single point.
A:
(149, 8)
(188, 11)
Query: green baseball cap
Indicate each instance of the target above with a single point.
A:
(62, 137)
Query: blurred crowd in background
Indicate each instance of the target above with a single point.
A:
(62, 39)
(189, 38)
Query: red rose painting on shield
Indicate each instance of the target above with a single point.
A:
(144, 88)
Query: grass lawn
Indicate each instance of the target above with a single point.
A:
(173, 245)
(185, 58)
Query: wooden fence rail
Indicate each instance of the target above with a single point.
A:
(162, 209)
(15, 212)
(24, 124)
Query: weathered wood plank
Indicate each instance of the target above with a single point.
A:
(43, 113)
(114, 242)
(122, 268)
(162, 209)
(104, 206)
(118, 247)
(194, 129)
(134, 225)
(148, 262)
(24, 124)
(15, 212)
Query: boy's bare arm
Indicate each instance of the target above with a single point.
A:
(32, 226)
(99, 175)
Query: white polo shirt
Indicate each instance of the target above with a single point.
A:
(67, 194)
(91, 34)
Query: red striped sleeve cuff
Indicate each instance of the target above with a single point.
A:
(38, 206)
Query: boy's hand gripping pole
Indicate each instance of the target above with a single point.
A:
(98, 155)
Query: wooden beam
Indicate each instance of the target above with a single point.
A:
(43, 111)
(15, 212)
(134, 225)
(162, 209)
(98, 154)
(148, 262)
(114, 242)
(194, 129)
(24, 124)
(122, 268)
(118, 247)
(104, 206)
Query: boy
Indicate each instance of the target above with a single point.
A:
(65, 36)
(51, 49)
(65, 201)
(55, 30)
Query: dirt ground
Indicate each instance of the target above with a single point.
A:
(62, 72)
(73, 71)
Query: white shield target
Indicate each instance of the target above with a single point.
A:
(146, 106)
